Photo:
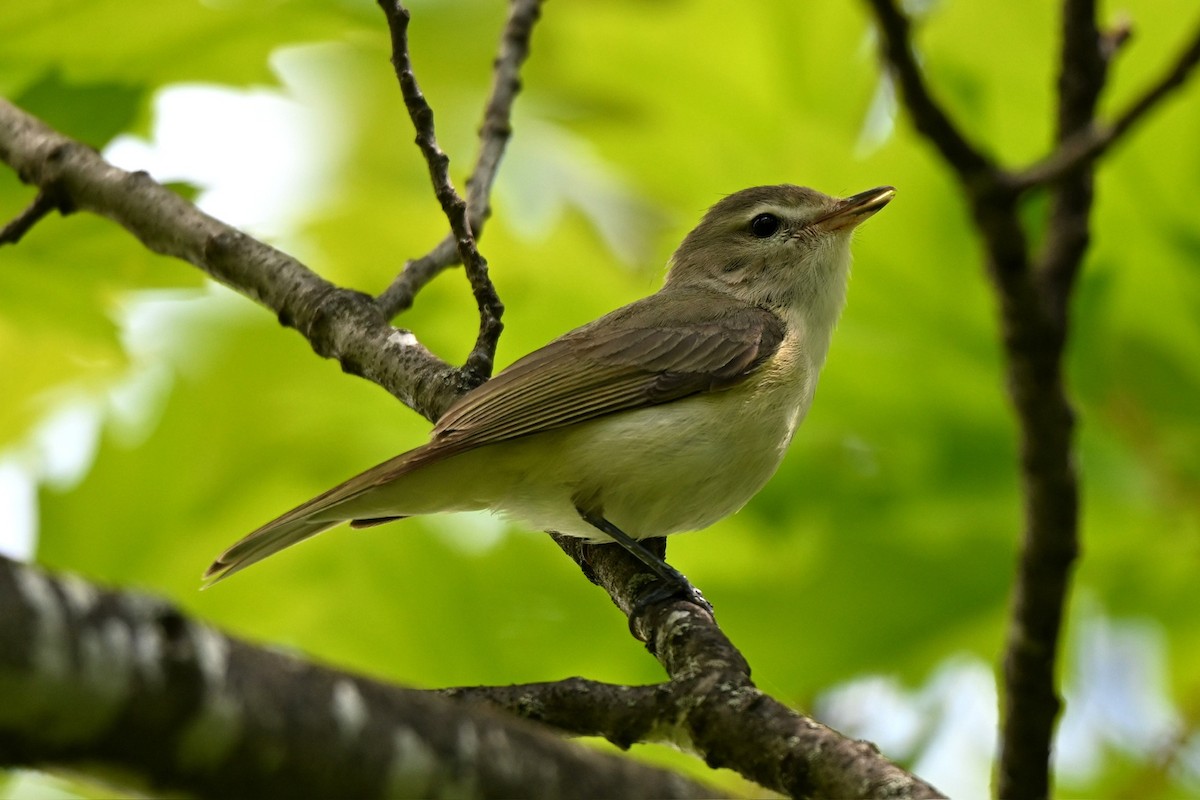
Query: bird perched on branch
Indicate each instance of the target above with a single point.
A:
(663, 416)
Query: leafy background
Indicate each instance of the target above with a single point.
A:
(162, 418)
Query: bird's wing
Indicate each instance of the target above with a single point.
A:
(642, 355)
(662, 348)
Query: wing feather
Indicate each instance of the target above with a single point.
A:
(654, 351)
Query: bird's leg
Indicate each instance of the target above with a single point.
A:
(673, 582)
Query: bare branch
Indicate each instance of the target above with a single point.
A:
(493, 137)
(478, 366)
(1049, 549)
(340, 324)
(1089, 144)
(92, 675)
(45, 202)
(713, 708)
(1082, 67)
(496, 128)
(624, 715)
(416, 274)
(1050, 542)
(1033, 295)
(733, 725)
(896, 50)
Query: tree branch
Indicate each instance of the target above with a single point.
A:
(93, 675)
(624, 715)
(1092, 142)
(494, 134)
(478, 367)
(1033, 296)
(496, 128)
(896, 50)
(340, 324)
(45, 202)
(1050, 543)
(710, 706)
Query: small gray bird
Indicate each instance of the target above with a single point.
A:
(663, 416)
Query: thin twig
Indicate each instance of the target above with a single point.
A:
(1090, 143)
(1160, 772)
(496, 128)
(896, 48)
(45, 202)
(478, 366)
(415, 275)
(1116, 37)
(494, 133)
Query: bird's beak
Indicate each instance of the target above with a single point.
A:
(854, 210)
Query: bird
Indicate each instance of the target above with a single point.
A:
(663, 416)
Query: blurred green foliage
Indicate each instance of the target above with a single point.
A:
(886, 542)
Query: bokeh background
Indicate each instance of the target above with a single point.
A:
(147, 418)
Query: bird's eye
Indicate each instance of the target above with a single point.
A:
(764, 225)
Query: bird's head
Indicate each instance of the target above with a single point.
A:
(785, 248)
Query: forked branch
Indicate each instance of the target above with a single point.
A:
(1093, 142)
(478, 366)
(494, 133)
(1033, 292)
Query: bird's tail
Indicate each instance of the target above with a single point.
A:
(320, 513)
(266, 541)
(401, 486)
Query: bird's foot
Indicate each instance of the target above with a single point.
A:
(660, 591)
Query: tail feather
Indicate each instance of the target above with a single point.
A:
(320, 513)
(266, 541)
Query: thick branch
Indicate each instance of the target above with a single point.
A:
(340, 324)
(1033, 326)
(493, 137)
(478, 366)
(1049, 548)
(91, 675)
